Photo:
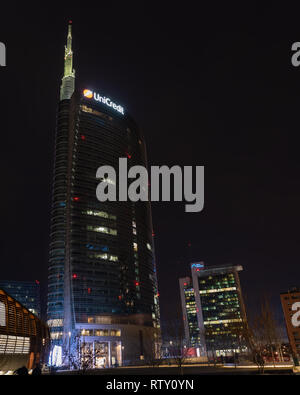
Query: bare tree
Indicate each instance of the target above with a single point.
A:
(255, 343)
(152, 351)
(178, 346)
(78, 354)
(263, 335)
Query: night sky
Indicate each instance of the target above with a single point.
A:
(207, 86)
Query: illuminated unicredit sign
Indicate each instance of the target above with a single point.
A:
(102, 99)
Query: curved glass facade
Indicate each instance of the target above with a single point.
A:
(101, 254)
(58, 223)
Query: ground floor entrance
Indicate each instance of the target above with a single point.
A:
(101, 354)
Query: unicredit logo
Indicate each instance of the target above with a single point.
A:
(102, 99)
(87, 93)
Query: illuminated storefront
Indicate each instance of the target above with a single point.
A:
(24, 338)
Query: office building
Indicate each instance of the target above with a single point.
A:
(213, 308)
(102, 273)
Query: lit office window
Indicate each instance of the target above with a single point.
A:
(55, 323)
(111, 258)
(102, 214)
(102, 229)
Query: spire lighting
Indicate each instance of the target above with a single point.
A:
(68, 80)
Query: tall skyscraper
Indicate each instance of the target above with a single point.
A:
(102, 274)
(213, 308)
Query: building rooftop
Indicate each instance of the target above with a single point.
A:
(291, 290)
(220, 268)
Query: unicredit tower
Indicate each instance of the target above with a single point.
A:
(102, 284)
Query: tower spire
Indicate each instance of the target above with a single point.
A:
(68, 81)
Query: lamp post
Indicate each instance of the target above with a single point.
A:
(69, 333)
(122, 354)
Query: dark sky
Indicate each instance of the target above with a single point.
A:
(207, 86)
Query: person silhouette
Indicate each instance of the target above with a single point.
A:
(37, 370)
(23, 371)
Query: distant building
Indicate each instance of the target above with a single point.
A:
(25, 292)
(213, 308)
(24, 338)
(290, 302)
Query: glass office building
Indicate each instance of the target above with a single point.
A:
(192, 331)
(26, 292)
(101, 266)
(213, 309)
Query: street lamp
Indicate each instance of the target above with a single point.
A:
(69, 333)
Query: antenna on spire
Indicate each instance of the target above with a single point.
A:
(68, 80)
